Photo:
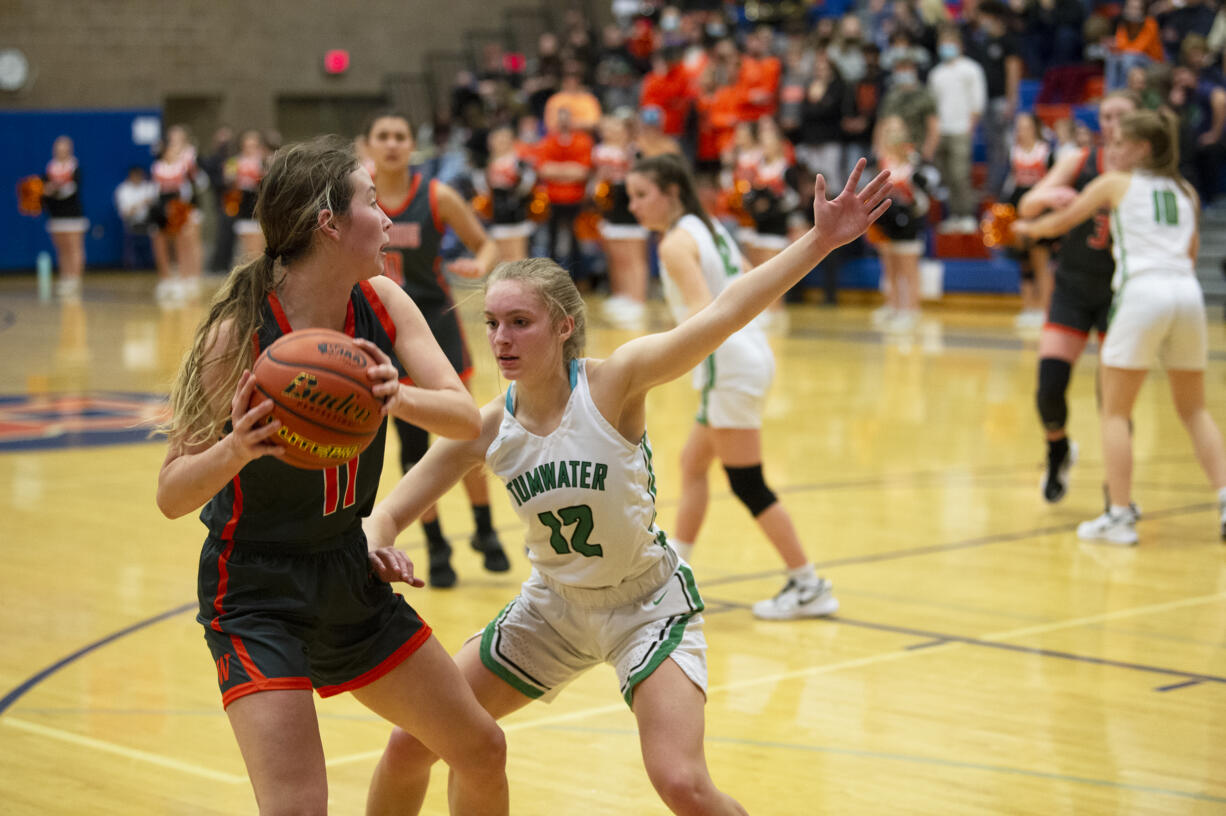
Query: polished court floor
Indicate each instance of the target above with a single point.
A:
(983, 662)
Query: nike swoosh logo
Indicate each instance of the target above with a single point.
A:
(656, 602)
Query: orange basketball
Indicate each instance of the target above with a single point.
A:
(317, 381)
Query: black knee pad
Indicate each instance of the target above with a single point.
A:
(1054, 377)
(413, 443)
(749, 486)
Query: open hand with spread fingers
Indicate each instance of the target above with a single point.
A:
(848, 216)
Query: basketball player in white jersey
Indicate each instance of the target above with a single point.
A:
(1159, 313)
(569, 440)
(698, 260)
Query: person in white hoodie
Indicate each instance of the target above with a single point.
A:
(960, 89)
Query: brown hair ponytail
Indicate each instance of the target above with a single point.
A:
(303, 180)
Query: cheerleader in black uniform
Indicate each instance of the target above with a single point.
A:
(771, 202)
(625, 242)
(66, 220)
(176, 218)
(901, 226)
(1029, 160)
(243, 174)
(508, 181)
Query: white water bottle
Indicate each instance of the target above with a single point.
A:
(44, 275)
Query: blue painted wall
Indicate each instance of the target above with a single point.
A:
(104, 147)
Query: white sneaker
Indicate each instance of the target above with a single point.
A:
(168, 291)
(904, 320)
(1030, 319)
(68, 288)
(1110, 528)
(624, 313)
(882, 315)
(811, 599)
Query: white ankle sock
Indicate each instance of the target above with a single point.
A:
(1221, 496)
(1121, 511)
(804, 574)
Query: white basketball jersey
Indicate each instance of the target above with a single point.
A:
(721, 264)
(586, 495)
(1152, 228)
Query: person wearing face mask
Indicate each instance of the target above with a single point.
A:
(990, 43)
(911, 101)
(959, 88)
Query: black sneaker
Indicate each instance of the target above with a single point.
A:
(1055, 481)
(495, 558)
(442, 576)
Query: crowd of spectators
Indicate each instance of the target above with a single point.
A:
(707, 80)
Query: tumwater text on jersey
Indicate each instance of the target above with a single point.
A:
(554, 475)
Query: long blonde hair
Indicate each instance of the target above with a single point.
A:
(556, 290)
(303, 180)
(1160, 129)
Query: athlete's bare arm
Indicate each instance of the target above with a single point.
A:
(679, 256)
(455, 213)
(1104, 191)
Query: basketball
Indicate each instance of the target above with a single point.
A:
(317, 381)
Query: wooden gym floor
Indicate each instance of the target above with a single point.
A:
(983, 662)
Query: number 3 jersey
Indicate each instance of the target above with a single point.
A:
(272, 503)
(586, 494)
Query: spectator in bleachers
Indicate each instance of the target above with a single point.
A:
(959, 89)
(1179, 18)
(911, 101)
(718, 107)
(582, 105)
(990, 43)
(908, 19)
(1201, 109)
(759, 76)
(859, 115)
(213, 165)
(1053, 34)
(821, 134)
(845, 52)
(794, 85)
(564, 164)
(651, 138)
(1137, 42)
(901, 46)
(616, 76)
(544, 73)
(668, 88)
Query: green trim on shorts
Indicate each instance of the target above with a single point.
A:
(487, 658)
(675, 634)
(709, 364)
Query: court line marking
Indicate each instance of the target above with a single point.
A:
(923, 760)
(160, 760)
(883, 657)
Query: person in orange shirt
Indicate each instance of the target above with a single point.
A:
(719, 107)
(1138, 41)
(759, 77)
(583, 105)
(669, 88)
(564, 159)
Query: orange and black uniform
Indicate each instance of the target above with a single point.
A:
(1081, 297)
(412, 260)
(287, 599)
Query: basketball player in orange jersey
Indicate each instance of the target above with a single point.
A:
(421, 210)
(291, 597)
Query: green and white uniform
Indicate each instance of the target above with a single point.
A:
(606, 587)
(732, 381)
(1159, 310)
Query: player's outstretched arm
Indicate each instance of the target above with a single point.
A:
(446, 462)
(657, 358)
(1104, 191)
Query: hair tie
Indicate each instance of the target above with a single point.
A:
(271, 253)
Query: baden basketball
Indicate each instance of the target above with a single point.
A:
(317, 381)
